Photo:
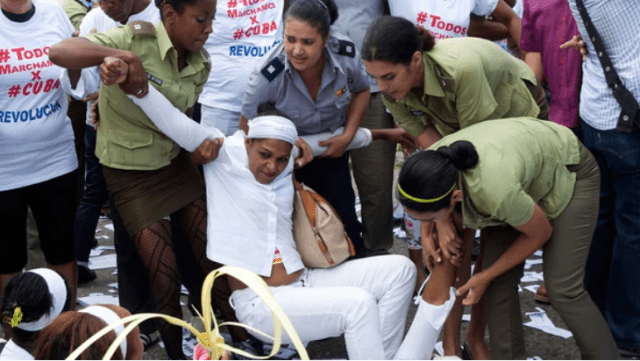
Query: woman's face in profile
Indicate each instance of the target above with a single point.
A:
(267, 158)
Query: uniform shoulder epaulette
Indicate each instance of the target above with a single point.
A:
(207, 56)
(139, 27)
(272, 69)
(346, 48)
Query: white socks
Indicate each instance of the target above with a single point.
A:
(425, 329)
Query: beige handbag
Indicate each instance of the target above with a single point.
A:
(318, 231)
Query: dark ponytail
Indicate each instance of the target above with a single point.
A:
(320, 14)
(428, 41)
(395, 40)
(29, 292)
(432, 174)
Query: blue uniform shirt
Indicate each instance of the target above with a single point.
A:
(276, 81)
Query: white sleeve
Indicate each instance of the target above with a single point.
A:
(172, 122)
(361, 139)
(484, 7)
(88, 83)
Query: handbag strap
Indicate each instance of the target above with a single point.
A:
(627, 102)
(307, 203)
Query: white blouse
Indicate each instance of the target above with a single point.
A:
(248, 220)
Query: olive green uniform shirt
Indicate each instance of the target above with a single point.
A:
(127, 139)
(521, 162)
(75, 11)
(466, 81)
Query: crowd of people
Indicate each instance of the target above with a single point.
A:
(191, 119)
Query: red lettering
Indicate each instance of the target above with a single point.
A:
(274, 26)
(18, 52)
(48, 85)
(265, 28)
(449, 27)
(37, 86)
(24, 89)
(22, 54)
(22, 68)
(434, 18)
(464, 31)
(57, 84)
(440, 25)
(457, 29)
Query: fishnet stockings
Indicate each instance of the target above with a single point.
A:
(193, 221)
(155, 249)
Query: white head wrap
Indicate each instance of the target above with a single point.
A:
(108, 316)
(273, 127)
(58, 290)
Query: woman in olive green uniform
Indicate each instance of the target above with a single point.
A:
(434, 89)
(147, 174)
(527, 184)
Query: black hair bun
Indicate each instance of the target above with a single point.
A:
(333, 10)
(461, 153)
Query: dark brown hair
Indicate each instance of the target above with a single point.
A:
(320, 14)
(395, 40)
(70, 330)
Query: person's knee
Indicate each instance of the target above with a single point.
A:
(404, 270)
(361, 304)
(559, 295)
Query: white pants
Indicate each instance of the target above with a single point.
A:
(226, 121)
(366, 300)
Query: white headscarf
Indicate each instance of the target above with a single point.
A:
(58, 290)
(109, 316)
(273, 127)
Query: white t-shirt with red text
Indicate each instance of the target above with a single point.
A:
(443, 18)
(36, 138)
(243, 32)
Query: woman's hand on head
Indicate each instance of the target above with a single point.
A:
(305, 156)
(207, 151)
(337, 146)
(474, 289)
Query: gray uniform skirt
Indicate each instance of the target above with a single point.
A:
(144, 197)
